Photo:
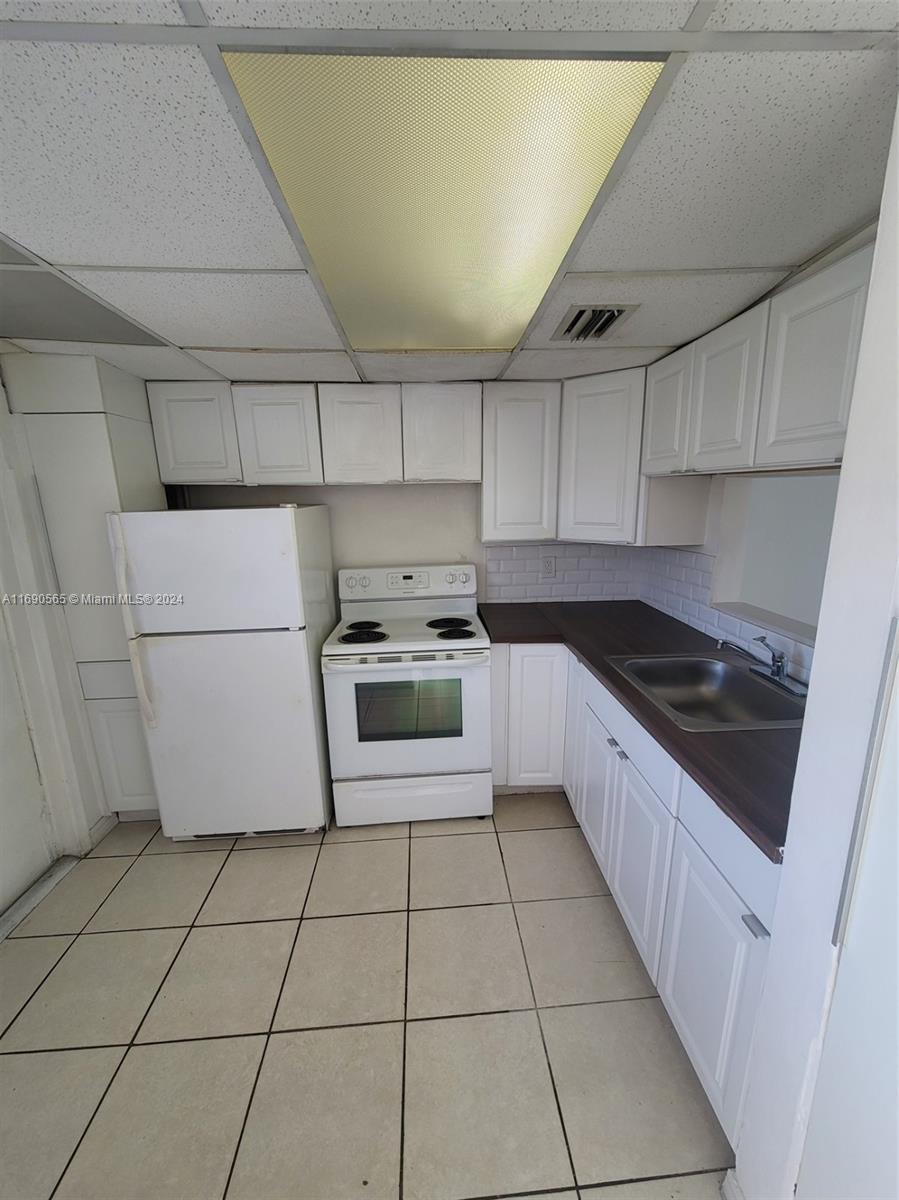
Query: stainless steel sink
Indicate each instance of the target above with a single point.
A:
(703, 694)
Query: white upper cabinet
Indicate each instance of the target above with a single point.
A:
(277, 430)
(813, 339)
(725, 391)
(442, 431)
(666, 431)
(362, 432)
(599, 471)
(196, 437)
(521, 461)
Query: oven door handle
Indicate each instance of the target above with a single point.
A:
(474, 659)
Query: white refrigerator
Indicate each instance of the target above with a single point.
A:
(225, 612)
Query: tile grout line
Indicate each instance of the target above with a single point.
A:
(405, 1019)
(608, 1183)
(268, 1034)
(131, 1042)
(536, 1010)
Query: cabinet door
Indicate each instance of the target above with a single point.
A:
(277, 430)
(813, 338)
(725, 393)
(122, 753)
(599, 463)
(521, 461)
(499, 712)
(574, 725)
(538, 685)
(442, 431)
(711, 976)
(641, 857)
(362, 432)
(599, 772)
(666, 427)
(195, 432)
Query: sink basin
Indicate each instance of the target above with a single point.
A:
(703, 694)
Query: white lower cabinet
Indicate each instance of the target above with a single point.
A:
(122, 754)
(712, 969)
(599, 778)
(499, 712)
(643, 833)
(572, 761)
(538, 685)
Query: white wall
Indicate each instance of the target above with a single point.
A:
(857, 607)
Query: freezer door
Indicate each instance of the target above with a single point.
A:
(226, 568)
(231, 732)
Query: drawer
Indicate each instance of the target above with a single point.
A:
(752, 875)
(107, 680)
(656, 766)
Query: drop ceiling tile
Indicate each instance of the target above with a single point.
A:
(803, 14)
(8, 347)
(107, 12)
(146, 362)
(569, 362)
(428, 368)
(258, 366)
(673, 308)
(537, 15)
(9, 254)
(279, 311)
(39, 304)
(752, 160)
(118, 155)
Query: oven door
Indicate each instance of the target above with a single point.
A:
(404, 715)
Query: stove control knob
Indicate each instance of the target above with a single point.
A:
(364, 581)
(350, 581)
(450, 578)
(464, 577)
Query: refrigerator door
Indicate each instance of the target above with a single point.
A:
(231, 732)
(208, 570)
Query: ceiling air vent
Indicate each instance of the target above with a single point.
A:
(583, 323)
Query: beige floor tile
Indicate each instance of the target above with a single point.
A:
(128, 837)
(23, 964)
(544, 864)
(443, 825)
(346, 970)
(269, 841)
(358, 877)
(456, 870)
(368, 833)
(580, 951)
(160, 890)
(48, 1100)
(75, 898)
(325, 1119)
(225, 981)
(466, 960)
(261, 885)
(169, 1124)
(164, 845)
(685, 1187)
(548, 1196)
(630, 1100)
(481, 1118)
(532, 810)
(98, 993)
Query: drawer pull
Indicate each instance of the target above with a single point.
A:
(754, 925)
(621, 755)
(611, 742)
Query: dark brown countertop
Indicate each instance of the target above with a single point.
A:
(748, 773)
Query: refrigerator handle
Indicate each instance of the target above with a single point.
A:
(120, 563)
(140, 683)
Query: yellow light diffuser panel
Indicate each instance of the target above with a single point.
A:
(437, 196)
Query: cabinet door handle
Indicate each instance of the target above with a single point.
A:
(611, 742)
(621, 755)
(754, 925)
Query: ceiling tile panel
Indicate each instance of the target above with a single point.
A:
(118, 155)
(569, 362)
(280, 310)
(672, 309)
(39, 304)
(8, 347)
(430, 368)
(146, 362)
(803, 14)
(752, 160)
(107, 12)
(547, 15)
(260, 366)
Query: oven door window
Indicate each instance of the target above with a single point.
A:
(403, 710)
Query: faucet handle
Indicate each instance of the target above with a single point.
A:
(778, 658)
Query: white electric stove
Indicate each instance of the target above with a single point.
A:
(407, 694)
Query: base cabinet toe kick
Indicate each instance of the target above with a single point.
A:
(696, 894)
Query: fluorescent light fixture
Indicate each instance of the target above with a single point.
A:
(437, 196)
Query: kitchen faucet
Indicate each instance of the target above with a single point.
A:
(778, 659)
(776, 673)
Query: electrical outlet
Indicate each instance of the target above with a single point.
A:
(547, 567)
